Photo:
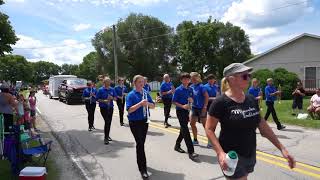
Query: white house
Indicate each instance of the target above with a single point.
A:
(300, 55)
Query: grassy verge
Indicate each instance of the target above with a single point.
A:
(5, 170)
(284, 112)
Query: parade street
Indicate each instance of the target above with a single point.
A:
(118, 159)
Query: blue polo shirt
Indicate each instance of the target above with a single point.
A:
(133, 98)
(164, 88)
(254, 91)
(120, 89)
(268, 90)
(181, 95)
(87, 91)
(147, 87)
(103, 93)
(211, 89)
(198, 95)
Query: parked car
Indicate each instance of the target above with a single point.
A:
(70, 90)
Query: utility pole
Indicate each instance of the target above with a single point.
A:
(114, 40)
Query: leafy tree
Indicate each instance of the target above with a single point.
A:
(42, 70)
(139, 46)
(207, 47)
(7, 34)
(287, 80)
(88, 68)
(71, 69)
(15, 68)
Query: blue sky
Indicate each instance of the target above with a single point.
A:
(60, 30)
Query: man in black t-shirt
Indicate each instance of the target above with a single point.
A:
(298, 95)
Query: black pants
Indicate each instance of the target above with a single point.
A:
(139, 130)
(270, 109)
(167, 102)
(90, 109)
(120, 104)
(8, 121)
(183, 116)
(107, 116)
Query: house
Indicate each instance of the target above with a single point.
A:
(300, 55)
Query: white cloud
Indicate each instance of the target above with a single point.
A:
(120, 3)
(19, 1)
(81, 27)
(261, 19)
(68, 51)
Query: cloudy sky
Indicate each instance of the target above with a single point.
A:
(60, 30)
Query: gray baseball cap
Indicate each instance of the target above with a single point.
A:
(235, 68)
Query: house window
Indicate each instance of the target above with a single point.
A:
(312, 77)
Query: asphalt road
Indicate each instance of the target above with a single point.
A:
(117, 160)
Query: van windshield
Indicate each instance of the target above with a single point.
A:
(77, 82)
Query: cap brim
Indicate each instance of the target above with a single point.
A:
(244, 69)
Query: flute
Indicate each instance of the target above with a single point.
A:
(91, 95)
(279, 96)
(122, 88)
(146, 109)
(190, 103)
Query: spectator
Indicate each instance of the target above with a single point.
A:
(298, 94)
(255, 90)
(7, 105)
(314, 108)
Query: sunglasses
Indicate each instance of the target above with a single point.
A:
(246, 76)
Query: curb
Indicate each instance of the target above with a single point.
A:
(75, 161)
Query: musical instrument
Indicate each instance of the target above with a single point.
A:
(146, 109)
(279, 95)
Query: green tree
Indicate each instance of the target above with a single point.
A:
(143, 41)
(207, 47)
(15, 68)
(72, 69)
(88, 67)
(42, 70)
(287, 80)
(7, 34)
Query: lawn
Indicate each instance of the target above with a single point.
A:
(52, 169)
(283, 111)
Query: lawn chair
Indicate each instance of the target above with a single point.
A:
(35, 147)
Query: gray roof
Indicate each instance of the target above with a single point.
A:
(281, 45)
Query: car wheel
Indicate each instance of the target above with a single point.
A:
(68, 101)
(50, 97)
(60, 99)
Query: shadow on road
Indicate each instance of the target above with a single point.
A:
(283, 137)
(293, 130)
(151, 133)
(208, 159)
(160, 175)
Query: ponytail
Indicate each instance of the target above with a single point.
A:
(224, 85)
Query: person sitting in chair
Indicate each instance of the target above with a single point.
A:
(314, 108)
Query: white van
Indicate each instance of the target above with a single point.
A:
(54, 82)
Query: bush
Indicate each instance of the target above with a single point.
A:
(287, 80)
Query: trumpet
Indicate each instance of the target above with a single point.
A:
(146, 109)
(279, 95)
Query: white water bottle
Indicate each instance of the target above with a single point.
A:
(232, 161)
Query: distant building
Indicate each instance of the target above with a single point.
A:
(300, 55)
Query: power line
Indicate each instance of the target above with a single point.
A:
(166, 34)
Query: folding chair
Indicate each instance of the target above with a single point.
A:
(41, 150)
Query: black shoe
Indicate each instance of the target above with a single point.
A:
(169, 116)
(281, 127)
(93, 127)
(89, 129)
(121, 124)
(109, 139)
(193, 156)
(106, 142)
(168, 124)
(144, 174)
(178, 149)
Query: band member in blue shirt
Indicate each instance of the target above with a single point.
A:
(105, 96)
(89, 97)
(183, 98)
(255, 90)
(199, 105)
(138, 103)
(212, 88)
(146, 85)
(166, 89)
(121, 91)
(271, 94)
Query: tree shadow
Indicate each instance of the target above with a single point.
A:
(293, 130)
(160, 175)
(219, 177)
(208, 159)
(151, 133)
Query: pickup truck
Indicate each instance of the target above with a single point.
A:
(71, 90)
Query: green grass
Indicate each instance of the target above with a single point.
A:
(284, 111)
(52, 169)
